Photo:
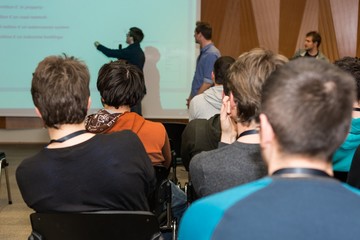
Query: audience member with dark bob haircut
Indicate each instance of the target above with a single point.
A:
(221, 67)
(50, 90)
(127, 86)
(122, 85)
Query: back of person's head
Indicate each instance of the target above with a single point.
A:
(205, 29)
(60, 90)
(308, 104)
(221, 67)
(246, 77)
(352, 66)
(121, 84)
(315, 37)
(137, 34)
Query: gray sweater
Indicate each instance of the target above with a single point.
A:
(226, 167)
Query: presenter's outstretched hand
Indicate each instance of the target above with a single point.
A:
(96, 43)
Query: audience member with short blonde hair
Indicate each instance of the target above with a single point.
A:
(238, 159)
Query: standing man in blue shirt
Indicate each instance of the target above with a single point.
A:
(133, 54)
(205, 62)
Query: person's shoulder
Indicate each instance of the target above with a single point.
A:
(194, 125)
(30, 164)
(155, 126)
(215, 206)
(196, 100)
(119, 136)
(352, 189)
(296, 54)
(197, 97)
(322, 56)
(32, 159)
(216, 51)
(206, 157)
(125, 132)
(230, 196)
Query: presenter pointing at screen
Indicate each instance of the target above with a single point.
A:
(133, 53)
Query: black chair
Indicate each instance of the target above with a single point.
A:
(95, 225)
(161, 172)
(174, 131)
(4, 165)
(190, 192)
(162, 200)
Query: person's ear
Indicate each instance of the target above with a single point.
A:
(131, 40)
(213, 76)
(89, 103)
(266, 132)
(38, 112)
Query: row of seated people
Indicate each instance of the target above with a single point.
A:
(96, 162)
(68, 176)
(218, 166)
(262, 167)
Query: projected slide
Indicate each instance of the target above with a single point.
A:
(33, 29)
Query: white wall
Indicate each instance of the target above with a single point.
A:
(24, 136)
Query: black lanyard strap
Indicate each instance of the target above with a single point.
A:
(67, 137)
(248, 132)
(301, 171)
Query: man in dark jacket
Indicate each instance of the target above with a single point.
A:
(199, 135)
(133, 54)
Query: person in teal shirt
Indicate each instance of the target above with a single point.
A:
(342, 157)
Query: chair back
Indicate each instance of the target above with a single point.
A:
(161, 173)
(95, 225)
(174, 131)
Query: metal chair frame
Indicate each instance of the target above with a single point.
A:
(4, 165)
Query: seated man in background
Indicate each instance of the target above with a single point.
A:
(79, 171)
(238, 159)
(343, 156)
(199, 135)
(311, 47)
(204, 134)
(207, 104)
(121, 85)
(305, 115)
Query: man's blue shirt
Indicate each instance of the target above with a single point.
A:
(204, 67)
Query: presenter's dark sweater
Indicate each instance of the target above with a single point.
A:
(133, 54)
